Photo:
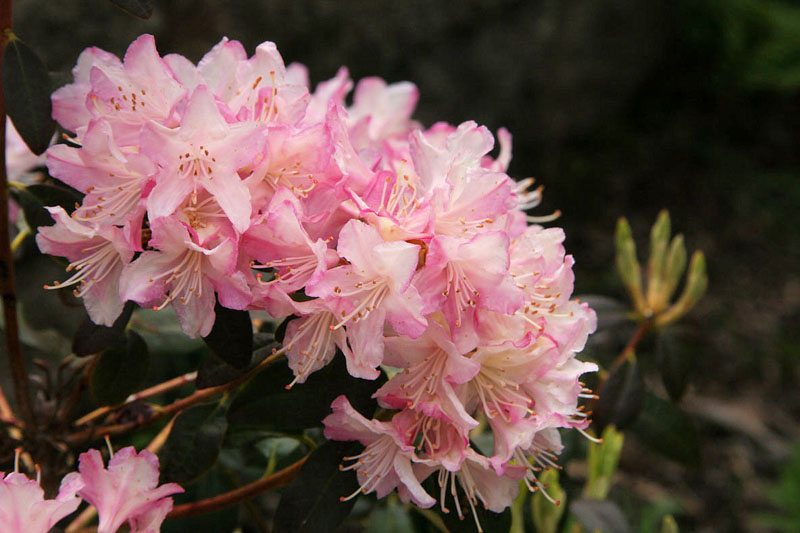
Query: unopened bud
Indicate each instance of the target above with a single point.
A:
(696, 284)
(656, 264)
(675, 266)
(669, 525)
(628, 265)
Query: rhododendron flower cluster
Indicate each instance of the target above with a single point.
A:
(127, 491)
(403, 248)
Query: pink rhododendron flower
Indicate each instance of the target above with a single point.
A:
(23, 508)
(126, 491)
(406, 249)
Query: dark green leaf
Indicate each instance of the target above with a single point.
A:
(676, 363)
(213, 371)
(214, 483)
(138, 8)
(33, 209)
(312, 501)
(666, 429)
(620, 397)
(231, 338)
(121, 370)
(91, 338)
(265, 401)
(194, 443)
(490, 522)
(52, 195)
(599, 515)
(26, 89)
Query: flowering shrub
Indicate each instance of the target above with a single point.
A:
(432, 313)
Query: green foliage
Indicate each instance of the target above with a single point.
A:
(312, 502)
(231, 337)
(664, 428)
(26, 91)
(121, 370)
(785, 496)
(194, 443)
(620, 396)
(547, 515)
(602, 463)
(92, 338)
(265, 403)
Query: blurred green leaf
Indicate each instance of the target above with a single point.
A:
(312, 502)
(92, 338)
(599, 516)
(121, 370)
(785, 495)
(390, 518)
(669, 525)
(33, 209)
(602, 463)
(26, 90)
(231, 337)
(194, 443)
(664, 428)
(138, 8)
(546, 514)
(676, 363)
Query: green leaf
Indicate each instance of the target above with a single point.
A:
(676, 363)
(213, 371)
(33, 209)
(667, 430)
(265, 402)
(121, 370)
(312, 501)
(92, 338)
(390, 518)
(138, 8)
(620, 397)
(547, 515)
(26, 89)
(214, 483)
(53, 195)
(231, 337)
(599, 516)
(34, 198)
(602, 462)
(194, 443)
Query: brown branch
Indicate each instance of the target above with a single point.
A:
(630, 348)
(7, 278)
(204, 394)
(141, 395)
(276, 480)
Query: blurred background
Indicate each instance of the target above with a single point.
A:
(619, 108)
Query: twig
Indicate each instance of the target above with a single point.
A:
(630, 348)
(7, 280)
(141, 395)
(171, 409)
(278, 479)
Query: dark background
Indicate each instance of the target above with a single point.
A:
(620, 108)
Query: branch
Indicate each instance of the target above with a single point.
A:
(141, 395)
(199, 396)
(7, 279)
(276, 480)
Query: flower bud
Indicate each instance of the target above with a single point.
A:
(696, 284)
(628, 265)
(656, 265)
(675, 265)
